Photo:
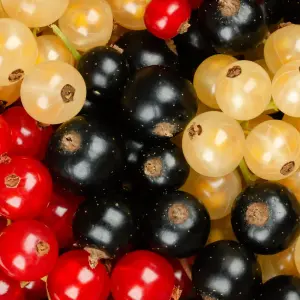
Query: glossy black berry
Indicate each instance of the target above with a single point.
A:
(105, 223)
(176, 224)
(226, 270)
(105, 72)
(291, 11)
(233, 26)
(85, 154)
(192, 48)
(158, 104)
(160, 168)
(142, 49)
(265, 217)
(272, 10)
(280, 288)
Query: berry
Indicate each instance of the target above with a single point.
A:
(105, 223)
(10, 289)
(85, 153)
(290, 9)
(5, 140)
(142, 274)
(176, 224)
(158, 104)
(265, 218)
(227, 26)
(35, 290)
(165, 19)
(226, 270)
(78, 276)
(25, 188)
(28, 250)
(273, 10)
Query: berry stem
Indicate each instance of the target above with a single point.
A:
(249, 177)
(65, 40)
(186, 267)
(272, 106)
(35, 31)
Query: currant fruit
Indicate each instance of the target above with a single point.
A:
(25, 188)
(35, 290)
(177, 224)
(273, 10)
(230, 263)
(265, 218)
(10, 289)
(28, 250)
(9, 94)
(158, 104)
(5, 140)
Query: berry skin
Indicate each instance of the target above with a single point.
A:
(273, 10)
(226, 270)
(265, 218)
(165, 19)
(75, 273)
(28, 250)
(157, 104)
(26, 133)
(104, 223)
(181, 216)
(280, 288)
(10, 289)
(144, 274)
(25, 188)
(227, 27)
(5, 140)
(35, 290)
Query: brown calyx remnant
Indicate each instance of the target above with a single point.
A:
(195, 129)
(42, 248)
(204, 297)
(153, 167)
(95, 256)
(171, 45)
(229, 8)
(184, 27)
(164, 129)
(67, 93)
(71, 142)
(284, 24)
(16, 75)
(287, 168)
(12, 181)
(257, 214)
(234, 72)
(116, 47)
(178, 213)
(2, 106)
(176, 293)
(4, 159)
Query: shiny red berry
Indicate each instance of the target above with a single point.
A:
(59, 216)
(26, 133)
(10, 289)
(25, 188)
(5, 137)
(167, 18)
(28, 250)
(142, 275)
(78, 276)
(35, 290)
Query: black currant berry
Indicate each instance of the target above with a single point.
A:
(158, 104)
(105, 72)
(105, 223)
(176, 224)
(84, 153)
(142, 49)
(233, 26)
(226, 270)
(192, 48)
(280, 288)
(265, 217)
(161, 168)
(273, 10)
(291, 11)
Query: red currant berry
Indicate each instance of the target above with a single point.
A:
(5, 138)
(35, 290)
(167, 18)
(26, 134)
(3, 223)
(25, 188)
(10, 289)
(142, 275)
(28, 250)
(77, 276)
(59, 216)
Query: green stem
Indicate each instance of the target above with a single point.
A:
(248, 176)
(68, 44)
(35, 31)
(272, 106)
